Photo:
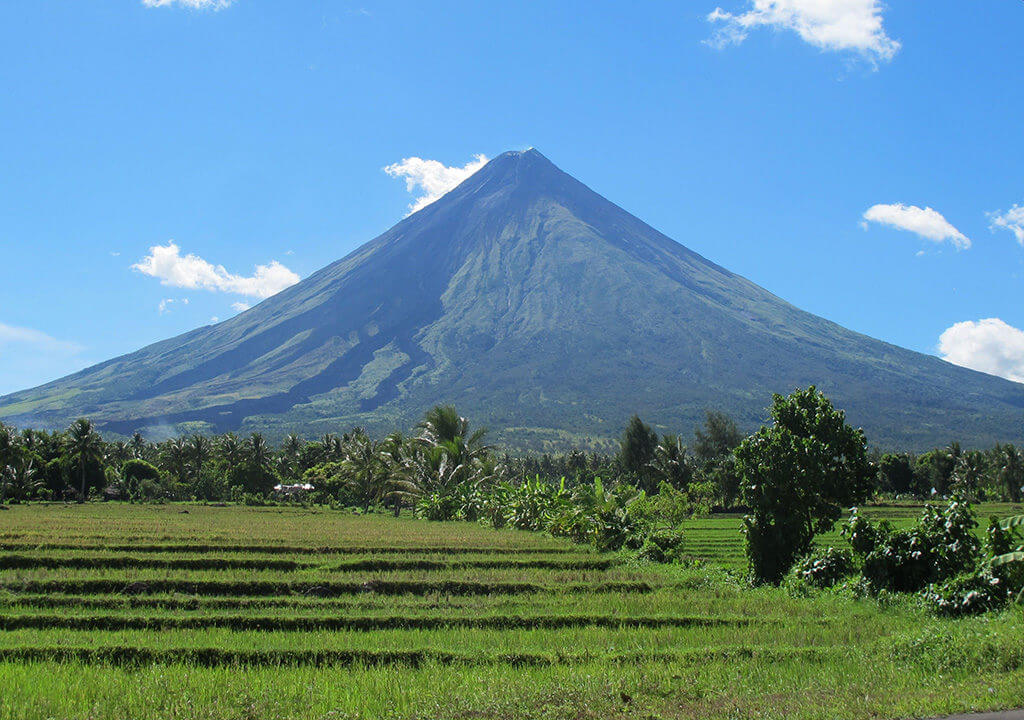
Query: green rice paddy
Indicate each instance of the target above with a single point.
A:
(117, 611)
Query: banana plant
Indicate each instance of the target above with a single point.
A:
(1015, 556)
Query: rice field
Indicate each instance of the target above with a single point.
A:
(192, 611)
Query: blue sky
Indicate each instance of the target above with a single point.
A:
(861, 160)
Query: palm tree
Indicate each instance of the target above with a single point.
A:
(670, 463)
(20, 479)
(84, 446)
(231, 450)
(260, 459)
(1010, 470)
(291, 454)
(363, 470)
(398, 460)
(175, 459)
(198, 449)
(137, 446)
(443, 424)
(332, 447)
(7, 444)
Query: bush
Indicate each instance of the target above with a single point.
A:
(939, 548)
(438, 506)
(662, 545)
(1000, 541)
(968, 594)
(863, 535)
(823, 568)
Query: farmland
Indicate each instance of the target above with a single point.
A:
(194, 611)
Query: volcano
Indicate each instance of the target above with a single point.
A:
(541, 310)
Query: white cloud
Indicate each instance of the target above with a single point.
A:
(924, 222)
(11, 335)
(431, 179)
(191, 4)
(240, 306)
(165, 305)
(988, 345)
(214, 320)
(1012, 220)
(166, 263)
(838, 25)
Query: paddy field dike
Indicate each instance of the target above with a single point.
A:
(195, 611)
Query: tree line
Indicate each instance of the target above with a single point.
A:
(793, 478)
(355, 469)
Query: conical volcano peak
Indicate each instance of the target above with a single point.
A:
(540, 309)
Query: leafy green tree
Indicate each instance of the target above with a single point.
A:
(936, 467)
(718, 437)
(141, 479)
(84, 446)
(896, 475)
(797, 475)
(636, 450)
(713, 447)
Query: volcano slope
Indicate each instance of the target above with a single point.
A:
(539, 309)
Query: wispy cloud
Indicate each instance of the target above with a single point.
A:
(191, 4)
(988, 345)
(923, 222)
(13, 335)
(240, 306)
(431, 179)
(835, 25)
(1012, 220)
(165, 305)
(166, 263)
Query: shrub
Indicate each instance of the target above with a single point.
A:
(968, 594)
(438, 506)
(823, 568)
(863, 535)
(941, 546)
(662, 545)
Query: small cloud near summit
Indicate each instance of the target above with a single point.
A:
(430, 179)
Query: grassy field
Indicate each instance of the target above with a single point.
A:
(116, 611)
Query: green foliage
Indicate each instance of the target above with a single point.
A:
(797, 474)
(941, 546)
(141, 480)
(863, 535)
(662, 545)
(968, 593)
(822, 568)
(637, 450)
